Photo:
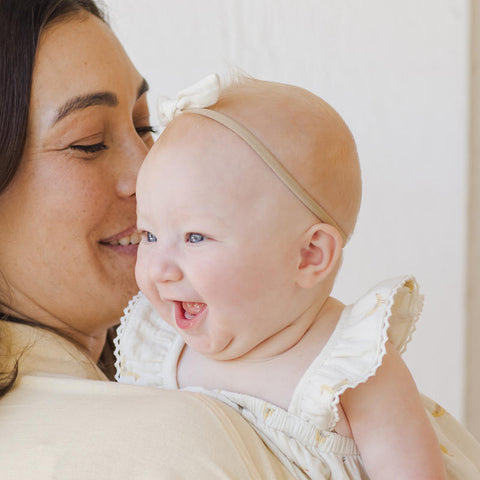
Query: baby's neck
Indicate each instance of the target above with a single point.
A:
(274, 368)
(291, 338)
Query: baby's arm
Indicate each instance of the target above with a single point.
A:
(390, 426)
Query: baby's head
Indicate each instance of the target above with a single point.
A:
(233, 259)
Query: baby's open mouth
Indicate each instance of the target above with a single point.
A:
(192, 309)
(188, 314)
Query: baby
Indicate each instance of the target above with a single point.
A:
(244, 209)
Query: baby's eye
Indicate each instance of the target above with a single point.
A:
(194, 237)
(149, 237)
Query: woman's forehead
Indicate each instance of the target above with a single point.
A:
(78, 57)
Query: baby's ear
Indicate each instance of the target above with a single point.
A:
(320, 254)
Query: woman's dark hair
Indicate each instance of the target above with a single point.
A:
(21, 24)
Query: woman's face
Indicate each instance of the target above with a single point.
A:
(68, 219)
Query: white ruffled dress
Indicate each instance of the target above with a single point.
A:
(303, 437)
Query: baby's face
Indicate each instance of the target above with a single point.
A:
(219, 253)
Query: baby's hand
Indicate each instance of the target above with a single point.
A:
(390, 426)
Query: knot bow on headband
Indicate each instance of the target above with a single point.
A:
(200, 95)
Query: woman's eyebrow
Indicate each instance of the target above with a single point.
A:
(142, 88)
(84, 101)
(98, 98)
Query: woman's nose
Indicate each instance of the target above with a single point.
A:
(133, 154)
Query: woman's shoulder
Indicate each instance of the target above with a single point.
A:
(64, 427)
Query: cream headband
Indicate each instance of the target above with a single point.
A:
(204, 94)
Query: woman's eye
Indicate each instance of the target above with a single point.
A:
(95, 148)
(145, 130)
(150, 237)
(194, 237)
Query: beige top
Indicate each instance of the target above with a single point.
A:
(61, 422)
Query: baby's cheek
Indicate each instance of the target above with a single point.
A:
(145, 275)
(141, 274)
(149, 289)
(165, 310)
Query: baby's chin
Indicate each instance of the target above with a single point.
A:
(217, 348)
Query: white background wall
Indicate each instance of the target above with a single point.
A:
(398, 74)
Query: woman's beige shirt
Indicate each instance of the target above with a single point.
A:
(62, 420)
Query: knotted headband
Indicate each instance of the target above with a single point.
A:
(204, 94)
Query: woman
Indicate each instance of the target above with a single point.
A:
(73, 131)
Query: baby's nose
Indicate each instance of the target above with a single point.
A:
(165, 271)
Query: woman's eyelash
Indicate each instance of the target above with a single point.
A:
(146, 129)
(96, 147)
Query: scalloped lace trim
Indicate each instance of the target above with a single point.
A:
(387, 315)
(356, 348)
(127, 312)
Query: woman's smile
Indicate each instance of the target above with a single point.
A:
(125, 242)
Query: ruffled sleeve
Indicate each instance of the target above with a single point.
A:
(356, 348)
(146, 347)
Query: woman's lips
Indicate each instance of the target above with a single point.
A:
(123, 242)
(189, 314)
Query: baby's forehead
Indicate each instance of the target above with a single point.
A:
(280, 120)
(189, 132)
(204, 151)
(210, 160)
(203, 143)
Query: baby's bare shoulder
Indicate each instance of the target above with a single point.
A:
(389, 423)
